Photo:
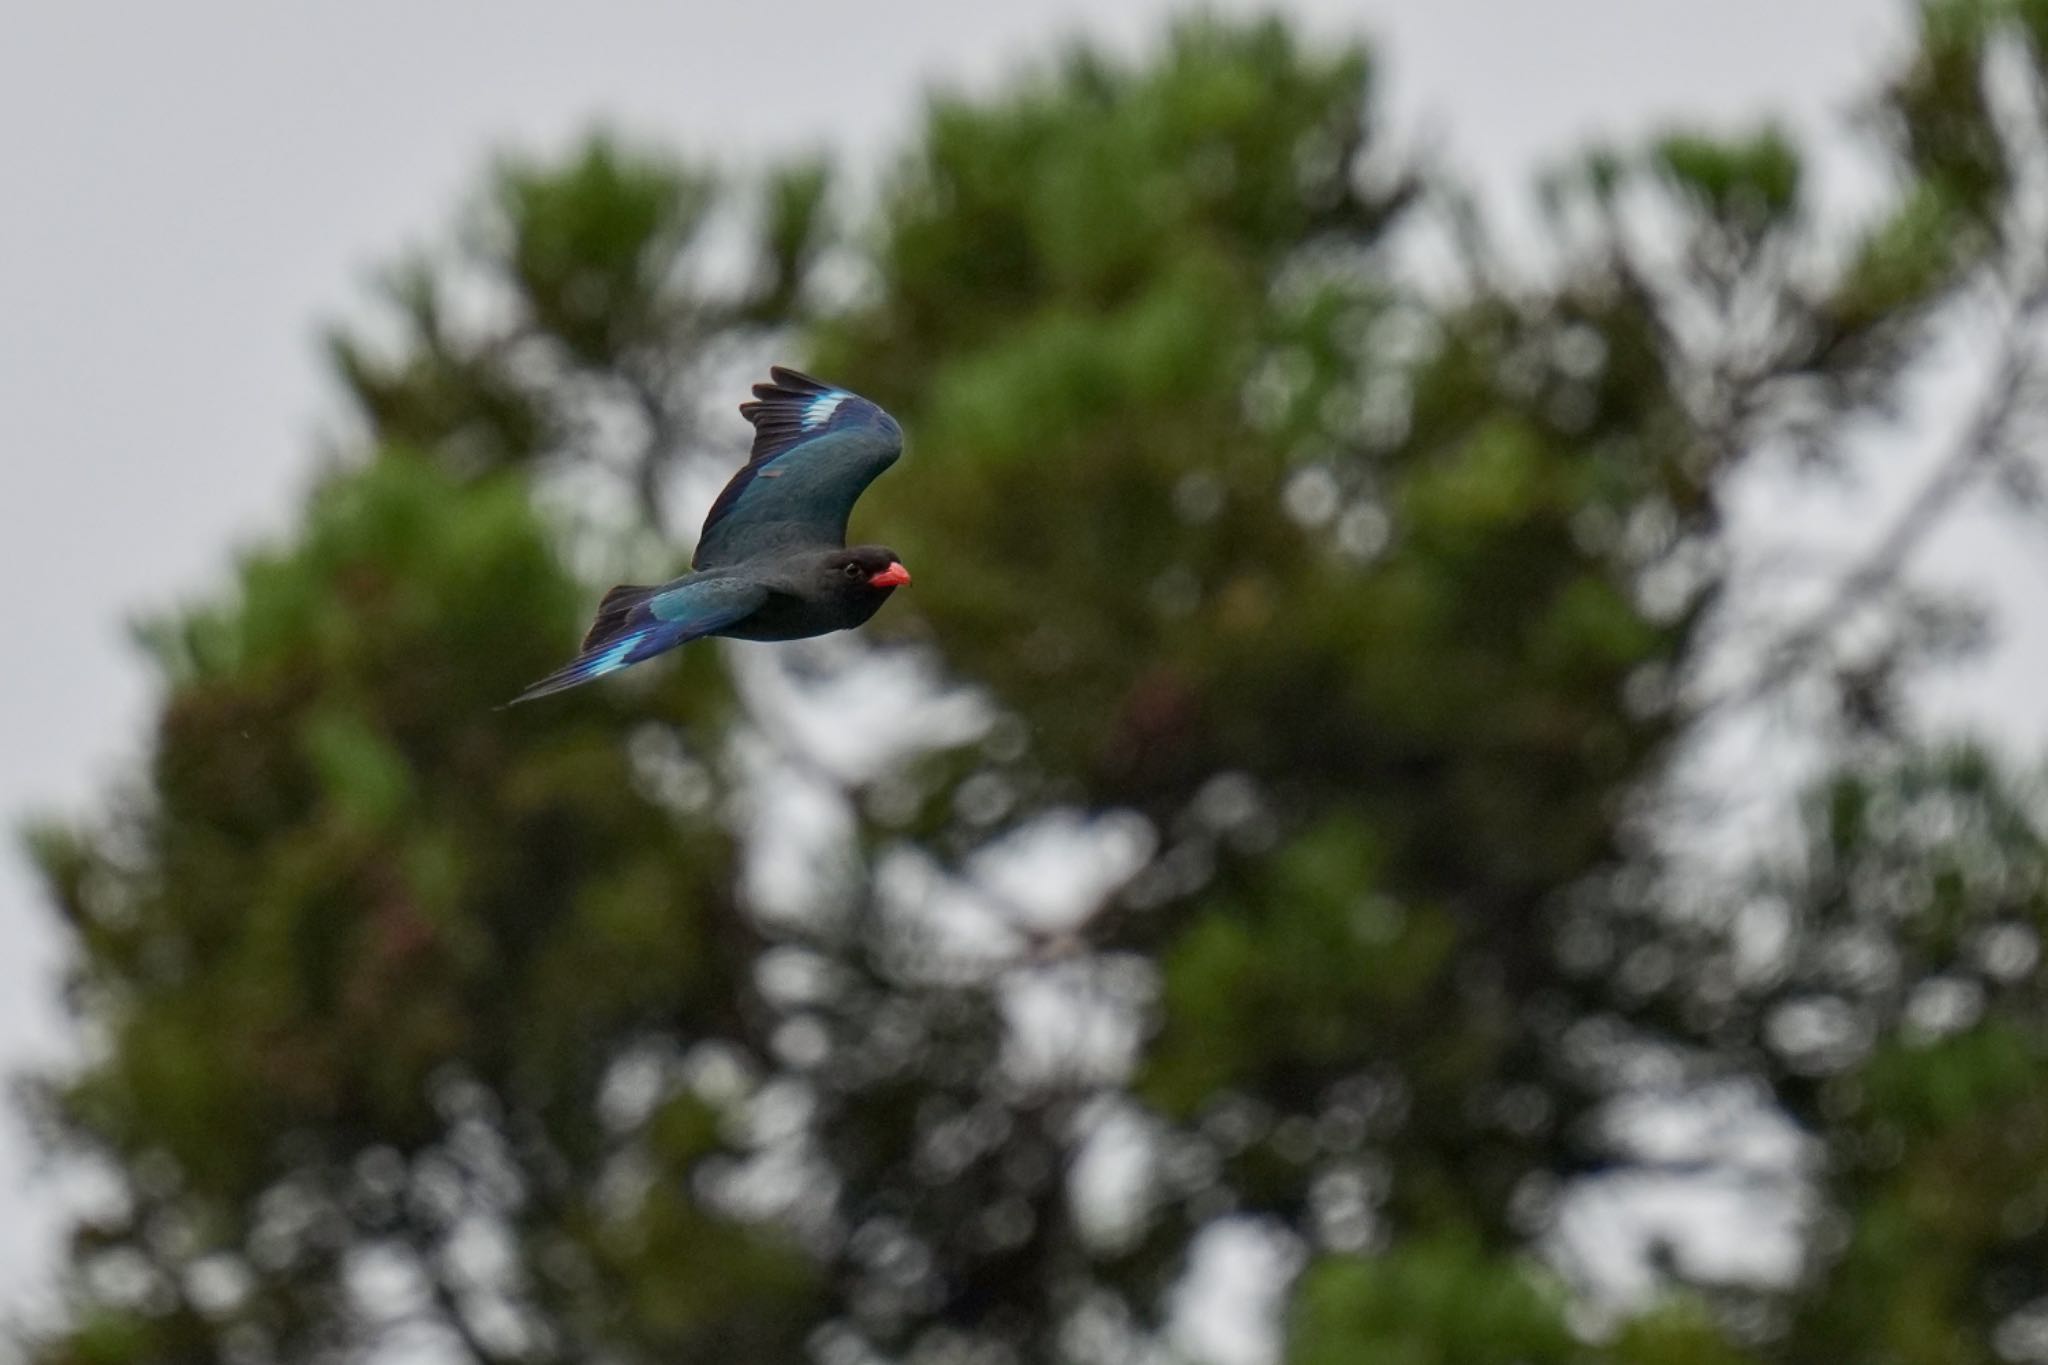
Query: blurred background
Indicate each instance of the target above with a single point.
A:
(1461, 780)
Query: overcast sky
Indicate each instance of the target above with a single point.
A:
(191, 189)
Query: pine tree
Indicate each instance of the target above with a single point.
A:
(1361, 618)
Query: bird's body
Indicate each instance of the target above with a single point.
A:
(772, 562)
(838, 603)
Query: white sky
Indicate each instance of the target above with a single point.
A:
(190, 189)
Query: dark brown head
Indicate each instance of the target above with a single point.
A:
(862, 577)
(873, 566)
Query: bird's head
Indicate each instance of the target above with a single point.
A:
(868, 569)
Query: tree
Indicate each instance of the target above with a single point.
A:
(1369, 617)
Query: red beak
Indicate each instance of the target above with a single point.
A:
(895, 576)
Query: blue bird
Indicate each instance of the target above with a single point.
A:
(772, 562)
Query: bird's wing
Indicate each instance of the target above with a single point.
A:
(816, 448)
(636, 623)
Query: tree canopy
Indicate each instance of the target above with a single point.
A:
(1272, 807)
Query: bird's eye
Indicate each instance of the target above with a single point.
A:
(854, 571)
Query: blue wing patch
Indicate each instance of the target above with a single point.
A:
(794, 407)
(634, 624)
(816, 448)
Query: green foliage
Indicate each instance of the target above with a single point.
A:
(1933, 1098)
(1747, 185)
(1442, 1301)
(1318, 973)
(1384, 613)
(1438, 1302)
(361, 902)
(593, 244)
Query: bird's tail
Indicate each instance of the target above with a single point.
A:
(615, 652)
(615, 639)
(614, 613)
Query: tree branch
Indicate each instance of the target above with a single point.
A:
(1974, 452)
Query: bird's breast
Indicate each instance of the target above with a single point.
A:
(787, 616)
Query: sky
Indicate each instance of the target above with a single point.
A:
(191, 190)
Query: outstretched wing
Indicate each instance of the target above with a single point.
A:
(816, 448)
(636, 623)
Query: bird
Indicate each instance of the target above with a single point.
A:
(772, 562)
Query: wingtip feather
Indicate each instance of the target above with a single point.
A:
(796, 379)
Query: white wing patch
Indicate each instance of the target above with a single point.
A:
(821, 408)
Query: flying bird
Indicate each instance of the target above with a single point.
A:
(772, 562)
